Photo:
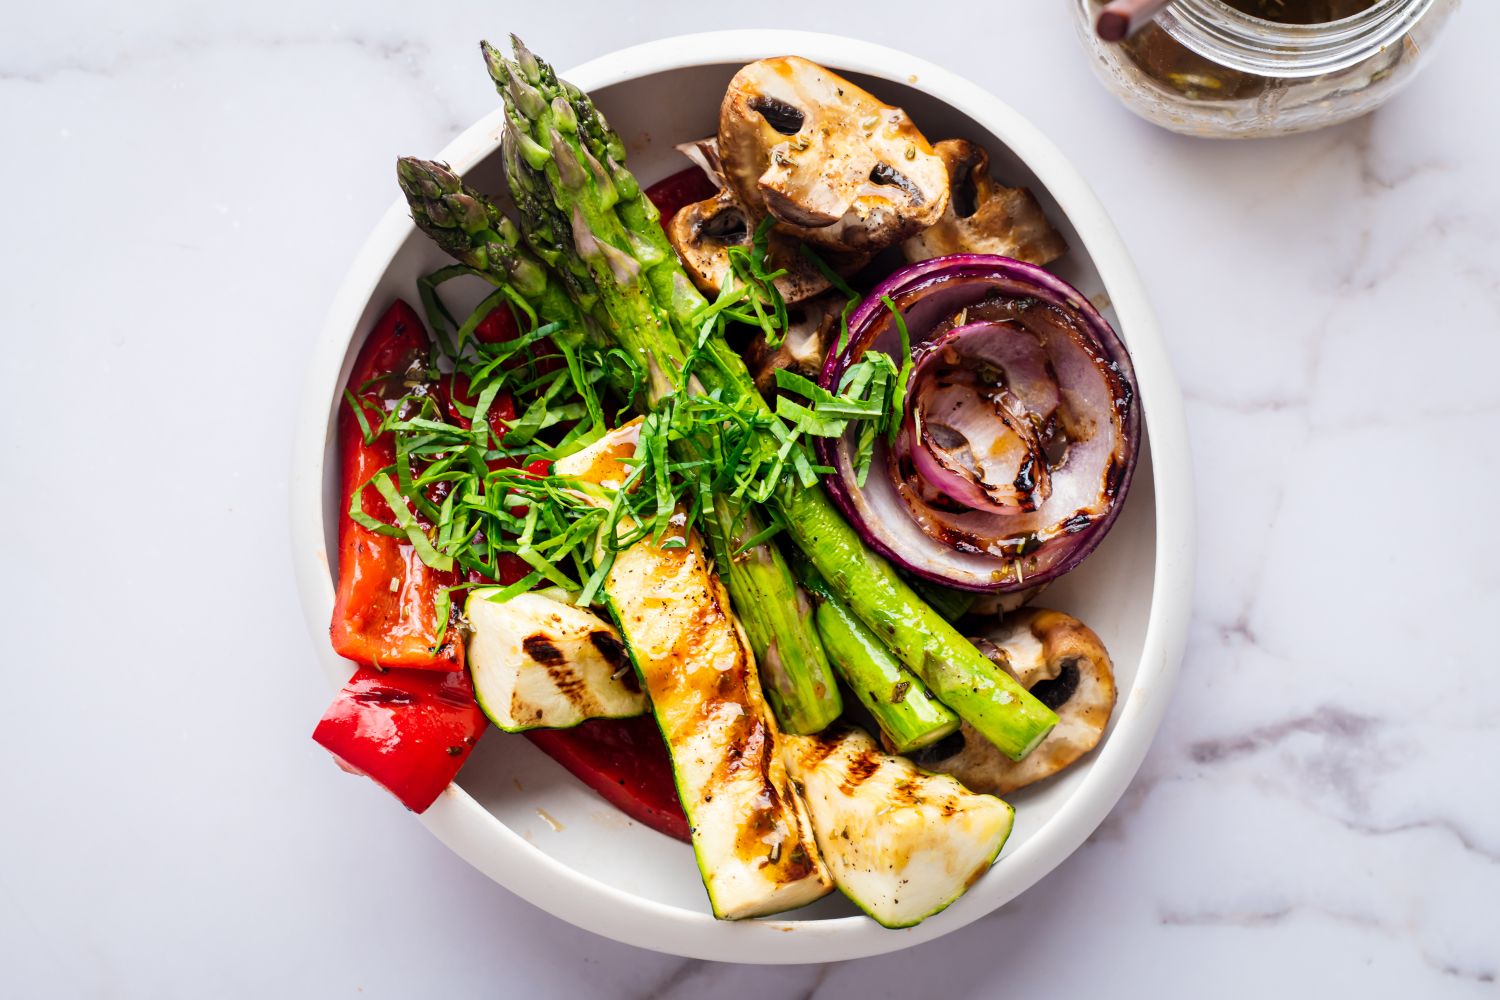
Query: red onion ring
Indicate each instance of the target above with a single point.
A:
(966, 434)
(1063, 364)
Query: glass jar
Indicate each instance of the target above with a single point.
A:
(1204, 68)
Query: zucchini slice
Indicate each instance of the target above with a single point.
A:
(902, 843)
(751, 833)
(542, 664)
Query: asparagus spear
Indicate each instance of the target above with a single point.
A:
(583, 192)
(473, 231)
(999, 708)
(907, 715)
(775, 615)
(670, 283)
(642, 223)
(794, 667)
(799, 680)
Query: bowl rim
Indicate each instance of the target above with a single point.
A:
(477, 836)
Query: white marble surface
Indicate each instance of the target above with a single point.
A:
(184, 185)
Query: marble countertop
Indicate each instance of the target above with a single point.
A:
(185, 186)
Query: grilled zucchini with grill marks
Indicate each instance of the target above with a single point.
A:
(542, 664)
(902, 843)
(751, 833)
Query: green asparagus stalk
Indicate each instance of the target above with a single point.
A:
(798, 679)
(991, 701)
(642, 223)
(908, 716)
(473, 231)
(670, 283)
(772, 608)
(795, 672)
(795, 669)
(982, 694)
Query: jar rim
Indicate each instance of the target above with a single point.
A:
(1254, 45)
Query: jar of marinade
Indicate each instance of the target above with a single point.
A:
(1246, 68)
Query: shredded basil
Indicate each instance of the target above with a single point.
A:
(458, 498)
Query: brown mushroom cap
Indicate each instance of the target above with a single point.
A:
(983, 216)
(703, 233)
(1063, 663)
(839, 168)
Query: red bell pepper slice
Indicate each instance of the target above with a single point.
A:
(498, 326)
(412, 729)
(625, 761)
(384, 612)
(686, 187)
(453, 390)
(409, 730)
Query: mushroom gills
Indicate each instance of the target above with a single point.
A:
(836, 166)
(902, 844)
(1061, 661)
(983, 216)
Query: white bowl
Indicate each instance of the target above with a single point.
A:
(522, 820)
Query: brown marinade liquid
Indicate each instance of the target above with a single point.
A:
(1161, 58)
(1301, 11)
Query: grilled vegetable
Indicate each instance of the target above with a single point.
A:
(702, 234)
(908, 716)
(751, 836)
(984, 217)
(812, 328)
(902, 844)
(385, 608)
(539, 663)
(625, 761)
(1061, 661)
(1040, 426)
(837, 166)
(568, 210)
(408, 730)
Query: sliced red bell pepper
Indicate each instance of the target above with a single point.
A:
(686, 187)
(409, 730)
(384, 612)
(453, 390)
(625, 761)
(498, 326)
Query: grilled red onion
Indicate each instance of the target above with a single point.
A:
(966, 434)
(1021, 430)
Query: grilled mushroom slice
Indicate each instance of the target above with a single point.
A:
(839, 168)
(703, 233)
(704, 154)
(984, 217)
(810, 331)
(1062, 662)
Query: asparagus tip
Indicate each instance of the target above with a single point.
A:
(494, 62)
(426, 178)
(526, 60)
